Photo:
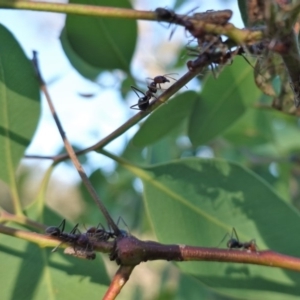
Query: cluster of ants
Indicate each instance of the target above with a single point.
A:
(82, 243)
(211, 49)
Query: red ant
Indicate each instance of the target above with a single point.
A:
(144, 102)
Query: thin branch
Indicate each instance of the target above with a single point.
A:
(20, 219)
(119, 280)
(241, 36)
(43, 240)
(71, 151)
(130, 252)
(79, 9)
(181, 82)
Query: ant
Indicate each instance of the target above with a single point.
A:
(144, 102)
(219, 56)
(170, 16)
(74, 236)
(101, 234)
(234, 243)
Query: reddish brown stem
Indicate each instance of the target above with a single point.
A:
(131, 251)
(119, 280)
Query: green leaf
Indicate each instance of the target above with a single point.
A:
(197, 201)
(191, 288)
(253, 129)
(243, 10)
(35, 273)
(85, 69)
(95, 43)
(223, 101)
(19, 102)
(165, 119)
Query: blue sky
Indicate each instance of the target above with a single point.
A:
(87, 120)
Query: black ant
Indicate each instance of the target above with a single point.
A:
(144, 102)
(101, 234)
(170, 16)
(74, 236)
(82, 246)
(234, 243)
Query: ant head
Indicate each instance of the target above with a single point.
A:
(161, 79)
(53, 231)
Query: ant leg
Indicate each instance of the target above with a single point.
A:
(61, 226)
(54, 249)
(75, 229)
(234, 243)
(124, 233)
(234, 233)
(133, 106)
(225, 236)
(167, 75)
(137, 90)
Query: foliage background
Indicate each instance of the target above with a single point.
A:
(255, 189)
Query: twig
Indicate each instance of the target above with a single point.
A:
(181, 82)
(130, 252)
(79, 9)
(7, 217)
(71, 151)
(43, 240)
(119, 280)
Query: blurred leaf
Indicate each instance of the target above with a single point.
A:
(126, 86)
(169, 147)
(243, 10)
(84, 68)
(20, 107)
(252, 129)
(178, 3)
(95, 43)
(119, 196)
(35, 273)
(213, 196)
(223, 101)
(165, 119)
(191, 288)
(286, 132)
